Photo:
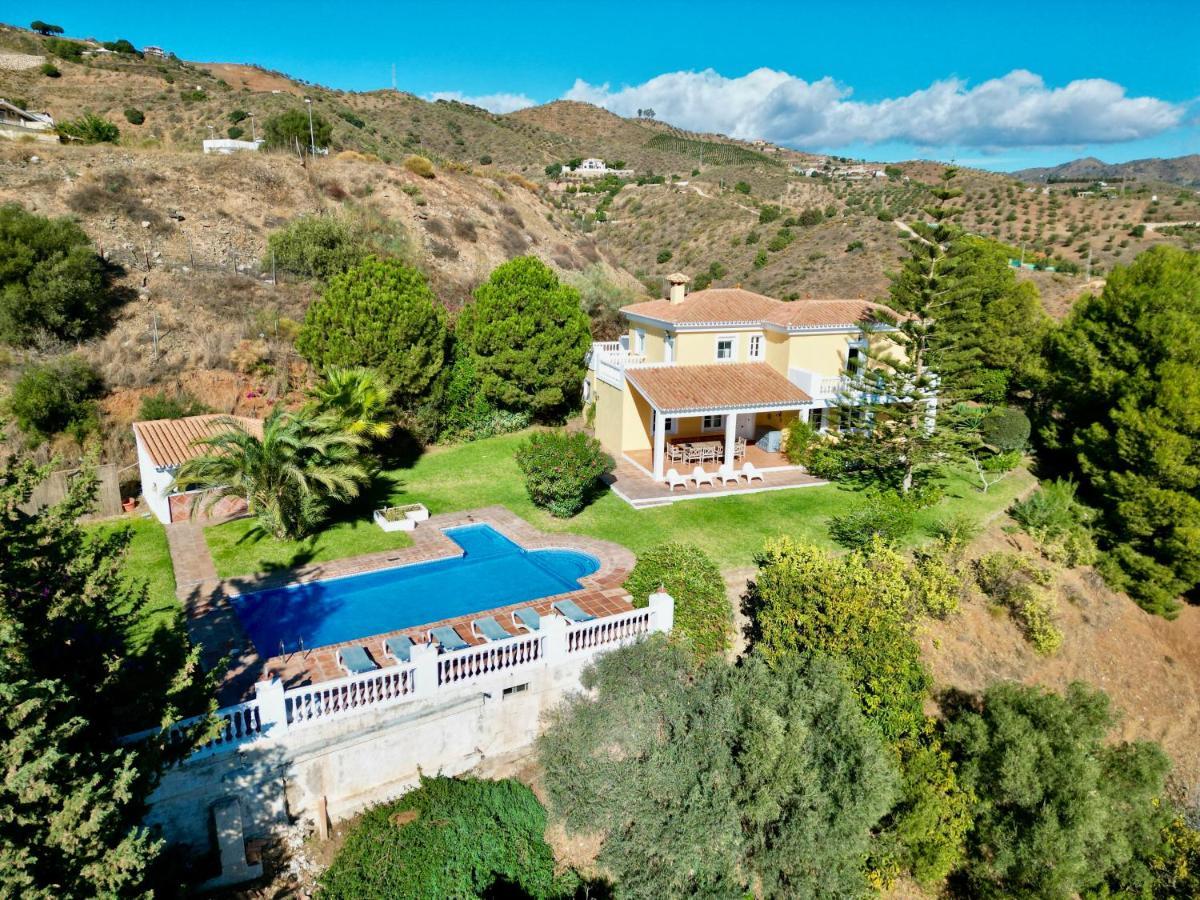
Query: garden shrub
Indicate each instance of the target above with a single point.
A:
(419, 165)
(1005, 428)
(57, 396)
(291, 129)
(1017, 583)
(51, 279)
(562, 470)
(134, 116)
(50, 70)
(451, 837)
(167, 406)
(703, 615)
(315, 247)
(883, 515)
(90, 129)
(1053, 516)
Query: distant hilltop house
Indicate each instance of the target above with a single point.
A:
(156, 52)
(764, 146)
(596, 168)
(225, 146)
(21, 124)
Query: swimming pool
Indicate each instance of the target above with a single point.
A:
(492, 572)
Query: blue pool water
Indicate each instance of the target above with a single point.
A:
(492, 572)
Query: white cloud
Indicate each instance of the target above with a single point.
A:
(1016, 110)
(497, 103)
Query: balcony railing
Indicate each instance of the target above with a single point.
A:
(609, 359)
(816, 385)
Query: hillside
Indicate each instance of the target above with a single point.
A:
(1179, 170)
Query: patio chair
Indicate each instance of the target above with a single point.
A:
(751, 472)
(701, 477)
(674, 452)
(527, 617)
(572, 611)
(489, 629)
(728, 474)
(674, 480)
(355, 660)
(447, 638)
(398, 648)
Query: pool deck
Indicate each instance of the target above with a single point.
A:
(213, 623)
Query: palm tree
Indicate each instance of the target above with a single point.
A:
(288, 477)
(356, 395)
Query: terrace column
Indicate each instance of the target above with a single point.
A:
(425, 670)
(660, 444)
(662, 611)
(730, 437)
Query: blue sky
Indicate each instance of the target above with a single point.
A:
(1004, 87)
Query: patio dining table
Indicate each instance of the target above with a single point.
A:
(702, 451)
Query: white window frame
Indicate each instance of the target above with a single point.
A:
(732, 338)
(712, 423)
(755, 347)
(640, 342)
(672, 423)
(669, 347)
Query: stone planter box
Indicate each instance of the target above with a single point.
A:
(401, 518)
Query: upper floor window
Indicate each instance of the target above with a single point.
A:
(640, 341)
(855, 359)
(668, 348)
(724, 348)
(756, 348)
(713, 423)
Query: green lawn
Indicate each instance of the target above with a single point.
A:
(241, 548)
(730, 529)
(150, 561)
(466, 476)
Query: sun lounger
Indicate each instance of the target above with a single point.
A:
(355, 660)
(701, 477)
(447, 638)
(527, 617)
(489, 629)
(727, 474)
(674, 480)
(398, 648)
(572, 611)
(749, 470)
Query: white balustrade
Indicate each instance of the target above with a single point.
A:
(354, 693)
(617, 629)
(275, 711)
(609, 359)
(489, 658)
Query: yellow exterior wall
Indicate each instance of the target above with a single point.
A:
(822, 353)
(654, 342)
(608, 423)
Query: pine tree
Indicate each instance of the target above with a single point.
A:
(889, 409)
(72, 796)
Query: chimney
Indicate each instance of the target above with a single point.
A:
(678, 282)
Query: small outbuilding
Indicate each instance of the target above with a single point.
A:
(163, 445)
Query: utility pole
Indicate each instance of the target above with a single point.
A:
(1088, 275)
(393, 76)
(311, 135)
(253, 129)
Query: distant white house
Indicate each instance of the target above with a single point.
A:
(225, 146)
(157, 52)
(17, 124)
(596, 168)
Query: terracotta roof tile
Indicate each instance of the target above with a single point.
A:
(736, 305)
(681, 389)
(169, 442)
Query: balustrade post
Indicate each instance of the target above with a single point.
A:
(272, 711)
(554, 631)
(425, 670)
(662, 612)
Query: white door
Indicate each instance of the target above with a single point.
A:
(745, 426)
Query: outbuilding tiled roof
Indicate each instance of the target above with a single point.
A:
(683, 389)
(728, 306)
(169, 442)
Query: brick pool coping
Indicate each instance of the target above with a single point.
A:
(213, 622)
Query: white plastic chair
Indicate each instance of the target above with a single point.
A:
(674, 480)
(727, 474)
(749, 470)
(701, 477)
